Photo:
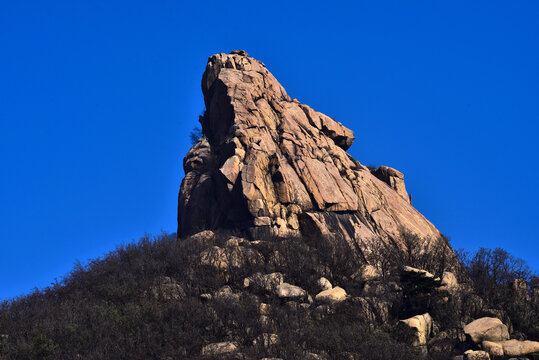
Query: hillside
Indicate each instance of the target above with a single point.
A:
(287, 248)
(167, 299)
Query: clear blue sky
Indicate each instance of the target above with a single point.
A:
(97, 99)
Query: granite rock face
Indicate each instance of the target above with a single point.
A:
(268, 164)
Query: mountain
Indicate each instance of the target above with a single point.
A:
(287, 248)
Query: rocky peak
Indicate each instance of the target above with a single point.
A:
(268, 163)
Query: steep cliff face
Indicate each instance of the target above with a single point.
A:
(268, 163)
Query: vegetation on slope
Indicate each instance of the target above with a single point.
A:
(116, 308)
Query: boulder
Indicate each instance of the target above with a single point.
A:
(219, 348)
(288, 291)
(333, 295)
(367, 273)
(519, 348)
(486, 329)
(267, 282)
(225, 293)
(224, 259)
(324, 284)
(167, 288)
(203, 237)
(476, 355)
(269, 165)
(418, 328)
(493, 348)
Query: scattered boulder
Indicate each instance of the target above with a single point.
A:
(225, 293)
(289, 291)
(367, 273)
(418, 328)
(167, 288)
(493, 348)
(519, 348)
(486, 329)
(476, 355)
(324, 284)
(267, 282)
(202, 238)
(235, 241)
(334, 295)
(214, 257)
(222, 260)
(219, 348)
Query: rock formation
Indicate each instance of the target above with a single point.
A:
(268, 164)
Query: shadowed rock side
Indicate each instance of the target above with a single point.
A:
(268, 163)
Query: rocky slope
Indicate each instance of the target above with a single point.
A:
(269, 164)
(276, 279)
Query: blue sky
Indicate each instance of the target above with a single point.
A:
(97, 99)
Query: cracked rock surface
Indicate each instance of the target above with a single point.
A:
(269, 164)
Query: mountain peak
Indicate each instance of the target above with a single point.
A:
(270, 164)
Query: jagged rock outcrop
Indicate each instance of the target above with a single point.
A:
(268, 164)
